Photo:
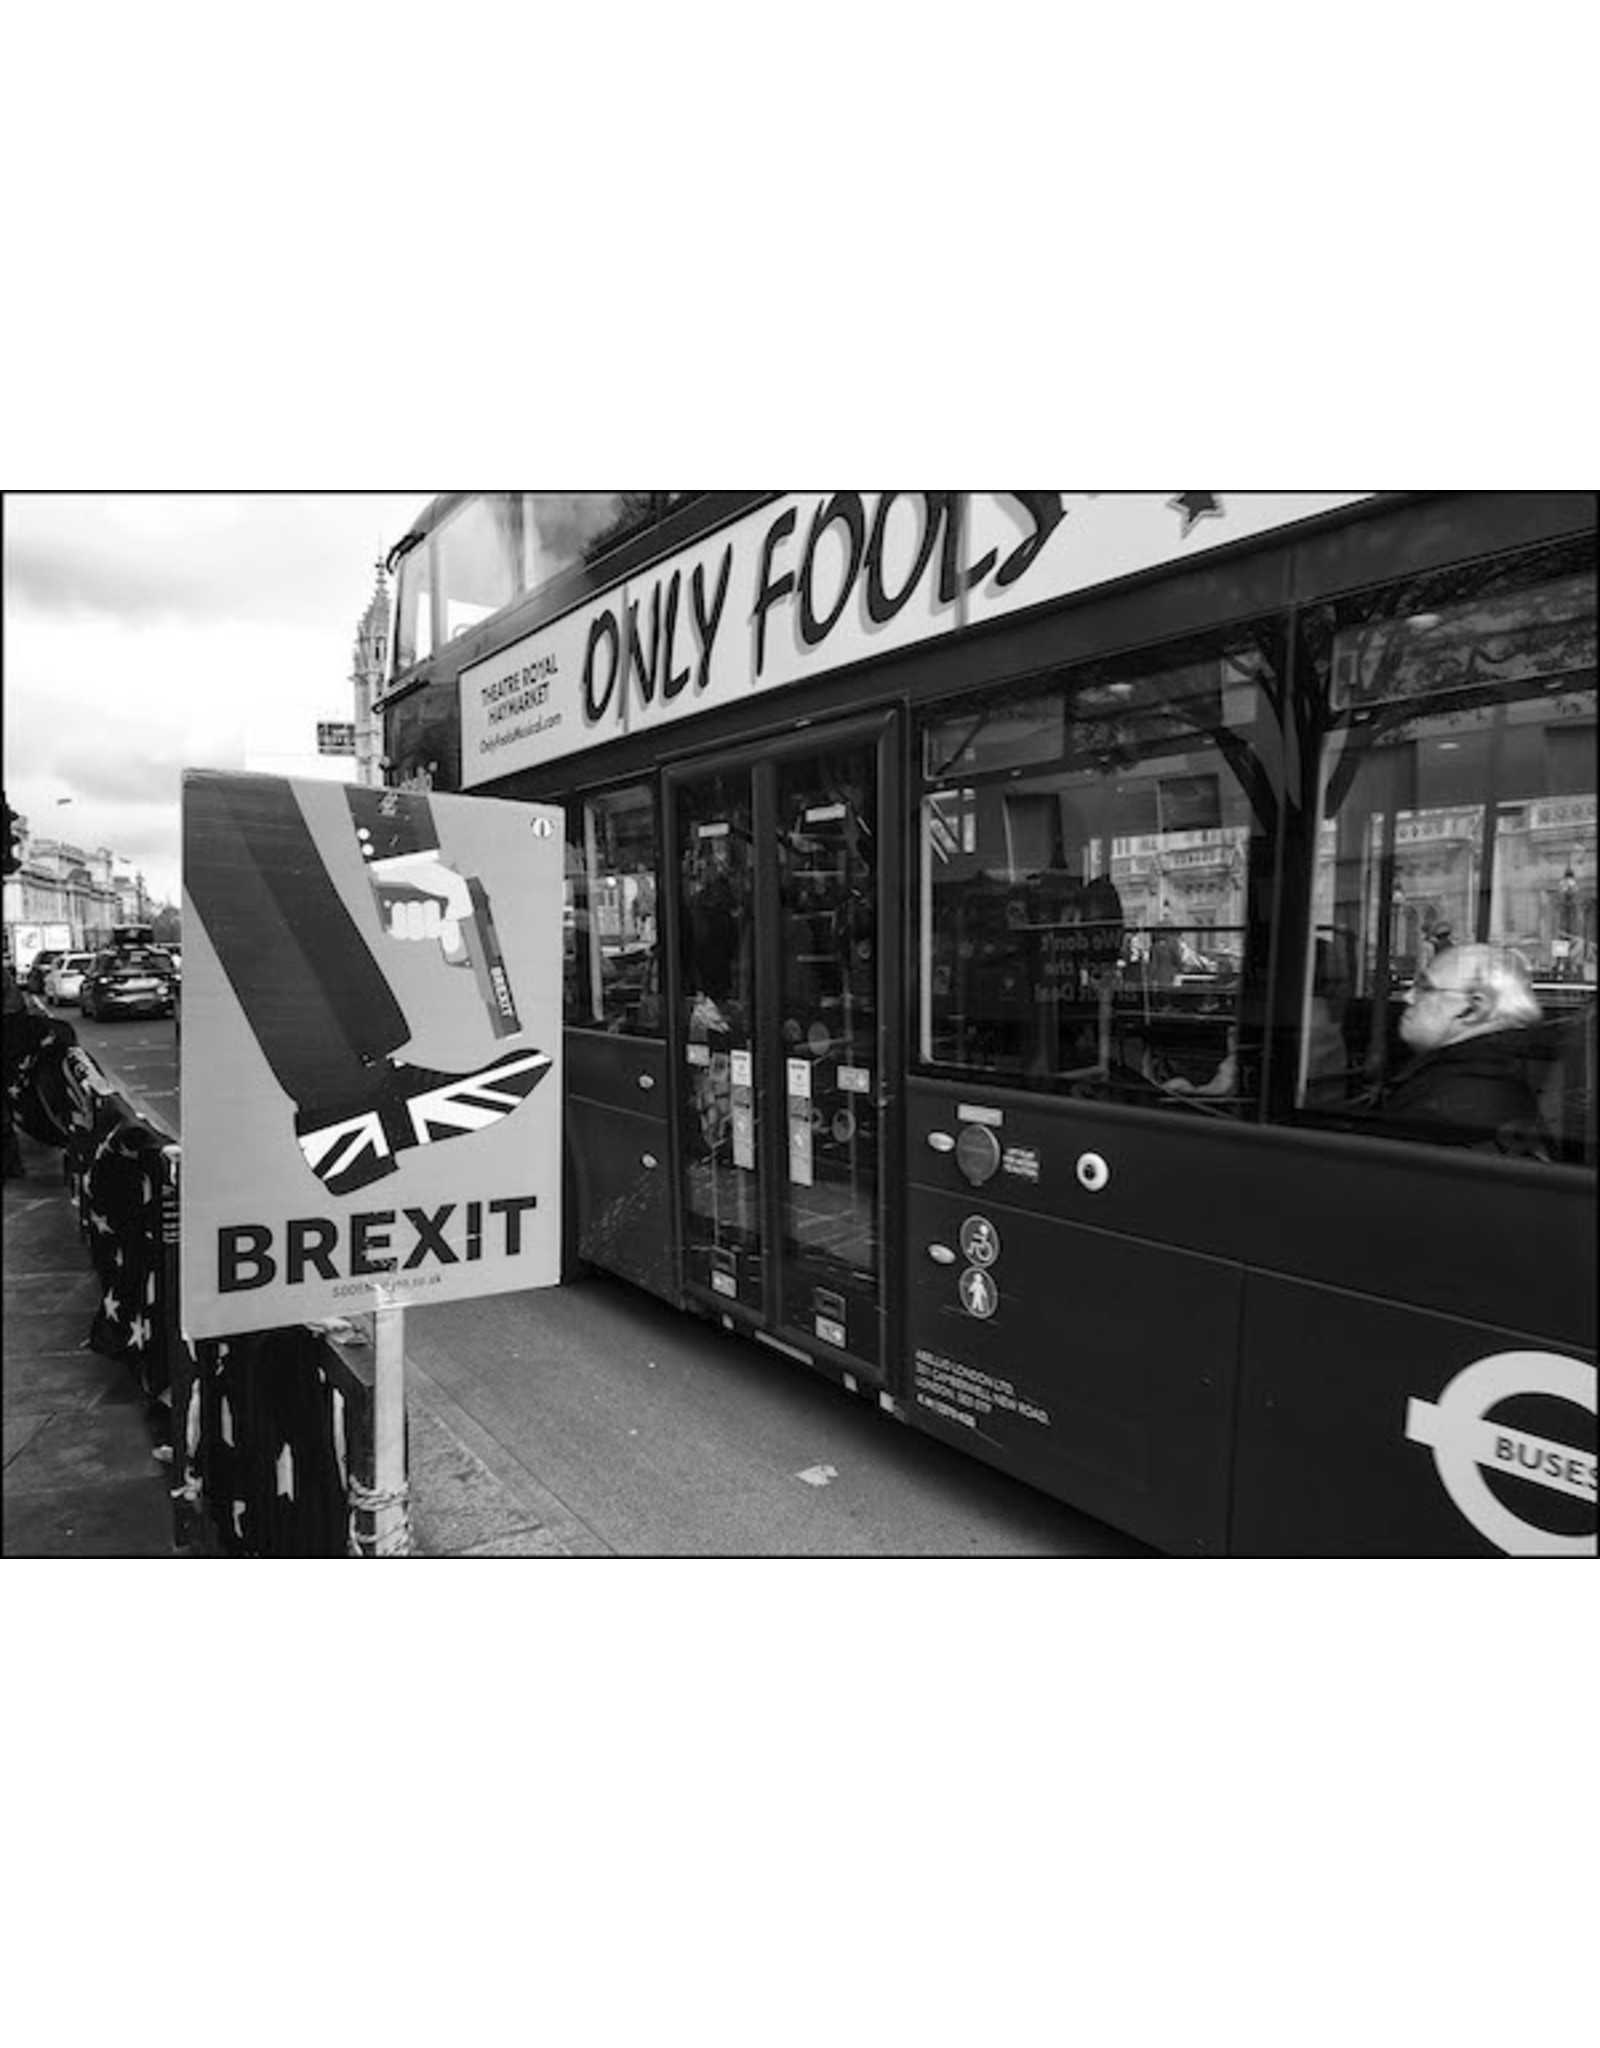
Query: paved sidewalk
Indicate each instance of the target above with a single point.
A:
(470, 1495)
(589, 1421)
(81, 1475)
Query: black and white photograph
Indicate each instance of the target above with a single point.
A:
(845, 1234)
(1041, 1015)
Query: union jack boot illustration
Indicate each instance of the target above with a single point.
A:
(412, 1106)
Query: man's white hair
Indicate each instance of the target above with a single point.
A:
(1498, 972)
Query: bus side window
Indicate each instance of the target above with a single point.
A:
(1449, 996)
(1096, 873)
(612, 969)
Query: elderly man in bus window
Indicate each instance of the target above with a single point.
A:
(1465, 1022)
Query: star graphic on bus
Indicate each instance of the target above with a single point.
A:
(1195, 505)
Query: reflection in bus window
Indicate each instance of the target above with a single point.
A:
(1007, 732)
(479, 559)
(503, 544)
(563, 528)
(1094, 907)
(498, 546)
(827, 904)
(1456, 808)
(613, 978)
(721, 1105)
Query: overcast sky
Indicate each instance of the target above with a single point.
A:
(145, 635)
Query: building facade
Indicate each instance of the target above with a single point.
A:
(68, 898)
(368, 665)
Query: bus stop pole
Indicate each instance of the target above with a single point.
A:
(391, 1520)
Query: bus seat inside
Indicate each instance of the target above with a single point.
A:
(1560, 1069)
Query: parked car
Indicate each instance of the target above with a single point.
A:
(38, 968)
(129, 981)
(63, 983)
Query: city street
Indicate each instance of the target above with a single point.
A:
(817, 1041)
(140, 1054)
(944, 1002)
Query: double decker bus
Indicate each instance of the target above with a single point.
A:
(991, 922)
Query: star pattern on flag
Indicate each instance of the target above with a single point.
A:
(139, 1335)
(1195, 505)
(112, 1307)
(99, 1223)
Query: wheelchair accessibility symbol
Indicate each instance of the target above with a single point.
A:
(980, 1241)
(1465, 1445)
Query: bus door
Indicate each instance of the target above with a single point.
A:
(781, 1012)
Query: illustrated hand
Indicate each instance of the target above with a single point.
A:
(421, 898)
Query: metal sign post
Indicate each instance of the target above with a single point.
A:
(390, 1520)
(390, 1503)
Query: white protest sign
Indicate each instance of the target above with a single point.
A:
(370, 1083)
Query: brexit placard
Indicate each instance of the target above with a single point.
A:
(371, 1049)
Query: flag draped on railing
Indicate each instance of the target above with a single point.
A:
(268, 1434)
(37, 1098)
(271, 1449)
(119, 1212)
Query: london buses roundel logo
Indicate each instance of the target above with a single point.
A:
(1465, 1444)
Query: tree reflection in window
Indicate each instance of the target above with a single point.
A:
(1096, 888)
(1447, 729)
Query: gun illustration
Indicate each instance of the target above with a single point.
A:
(419, 894)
